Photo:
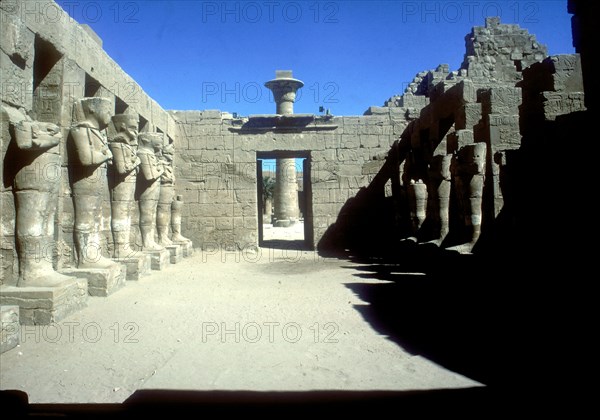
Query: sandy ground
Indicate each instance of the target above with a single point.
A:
(276, 320)
(292, 233)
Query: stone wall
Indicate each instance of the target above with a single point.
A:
(216, 169)
(48, 62)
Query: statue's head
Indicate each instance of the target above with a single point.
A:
(477, 154)
(153, 140)
(474, 154)
(127, 124)
(97, 111)
(158, 141)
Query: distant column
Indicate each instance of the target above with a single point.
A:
(284, 88)
(286, 193)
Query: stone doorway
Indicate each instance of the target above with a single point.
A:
(284, 200)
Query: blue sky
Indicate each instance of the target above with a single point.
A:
(350, 54)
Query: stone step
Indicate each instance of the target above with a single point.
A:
(46, 305)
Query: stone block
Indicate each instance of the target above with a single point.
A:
(504, 131)
(159, 259)
(468, 91)
(224, 223)
(377, 110)
(10, 327)
(320, 196)
(369, 140)
(187, 248)
(16, 82)
(246, 211)
(245, 196)
(137, 266)
(328, 155)
(8, 262)
(214, 114)
(556, 104)
(101, 281)
(505, 99)
(250, 223)
(349, 156)
(372, 167)
(238, 222)
(213, 210)
(468, 116)
(46, 305)
(332, 141)
(190, 194)
(459, 139)
(567, 75)
(175, 253)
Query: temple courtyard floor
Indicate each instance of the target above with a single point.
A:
(272, 320)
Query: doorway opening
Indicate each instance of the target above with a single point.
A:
(284, 200)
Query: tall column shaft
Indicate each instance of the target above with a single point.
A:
(286, 190)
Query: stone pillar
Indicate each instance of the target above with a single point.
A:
(177, 237)
(469, 176)
(88, 156)
(148, 191)
(268, 210)
(165, 200)
(149, 187)
(166, 196)
(440, 186)
(89, 153)
(36, 188)
(42, 295)
(286, 193)
(439, 194)
(284, 88)
(122, 176)
(417, 191)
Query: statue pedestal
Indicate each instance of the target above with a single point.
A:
(176, 253)
(465, 249)
(159, 259)
(101, 281)
(9, 321)
(186, 247)
(46, 305)
(137, 266)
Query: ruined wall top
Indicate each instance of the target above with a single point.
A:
(499, 52)
(495, 53)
